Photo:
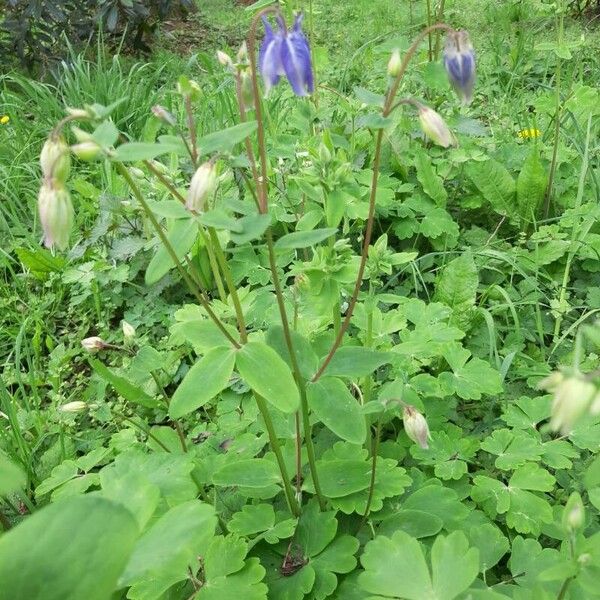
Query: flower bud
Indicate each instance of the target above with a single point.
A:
(81, 135)
(324, 153)
(574, 513)
(246, 89)
(459, 61)
(160, 112)
(94, 344)
(242, 55)
(79, 113)
(434, 127)
(224, 59)
(56, 215)
(416, 426)
(128, 331)
(86, 151)
(202, 184)
(551, 382)
(572, 398)
(394, 64)
(73, 407)
(55, 159)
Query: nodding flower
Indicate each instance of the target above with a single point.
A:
(286, 53)
(459, 60)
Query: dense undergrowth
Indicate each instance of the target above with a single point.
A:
(192, 455)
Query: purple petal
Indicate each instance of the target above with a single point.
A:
(269, 57)
(295, 57)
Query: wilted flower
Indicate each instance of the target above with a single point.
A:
(201, 186)
(73, 407)
(86, 151)
(55, 159)
(572, 398)
(459, 60)
(574, 513)
(416, 426)
(56, 214)
(128, 331)
(286, 53)
(435, 128)
(94, 344)
(394, 64)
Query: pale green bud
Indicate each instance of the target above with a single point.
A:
(202, 184)
(73, 407)
(55, 160)
(242, 55)
(224, 59)
(416, 426)
(324, 153)
(128, 331)
(394, 64)
(574, 513)
(86, 151)
(435, 128)
(56, 215)
(247, 89)
(572, 399)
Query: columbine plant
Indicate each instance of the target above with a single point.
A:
(291, 380)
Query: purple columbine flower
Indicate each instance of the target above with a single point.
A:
(459, 60)
(286, 53)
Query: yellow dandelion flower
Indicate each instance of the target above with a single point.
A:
(529, 133)
(4, 119)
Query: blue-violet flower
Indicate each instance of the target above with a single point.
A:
(459, 60)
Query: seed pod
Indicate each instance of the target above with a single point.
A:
(435, 128)
(202, 184)
(416, 426)
(56, 215)
(55, 160)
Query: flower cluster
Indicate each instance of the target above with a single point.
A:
(286, 53)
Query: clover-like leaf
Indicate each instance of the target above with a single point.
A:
(396, 568)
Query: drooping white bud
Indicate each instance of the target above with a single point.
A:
(86, 151)
(435, 128)
(416, 426)
(572, 399)
(55, 160)
(94, 344)
(73, 407)
(574, 513)
(128, 331)
(56, 214)
(224, 59)
(202, 184)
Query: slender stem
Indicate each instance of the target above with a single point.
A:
(439, 17)
(214, 267)
(557, 115)
(429, 41)
(192, 129)
(164, 181)
(387, 108)
(177, 424)
(230, 284)
(298, 457)
(310, 450)
(374, 451)
(287, 486)
(262, 180)
(171, 251)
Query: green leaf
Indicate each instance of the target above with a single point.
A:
(304, 239)
(50, 554)
(219, 220)
(209, 376)
(343, 477)
(491, 543)
(531, 185)
(495, 184)
(268, 375)
(416, 523)
(250, 227)
(373, 121)
(432, 184)
(137, 151)
(226, 139)
(395, 567)
(202, 333)
(456, 286)
(252, 519)
(40, 261)
(307, 360)
(106, 134)
(123, 387)
(251, 473)
(12, 477)
(182, 234)
(356, 361)
(337, 409)
(162, 555)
